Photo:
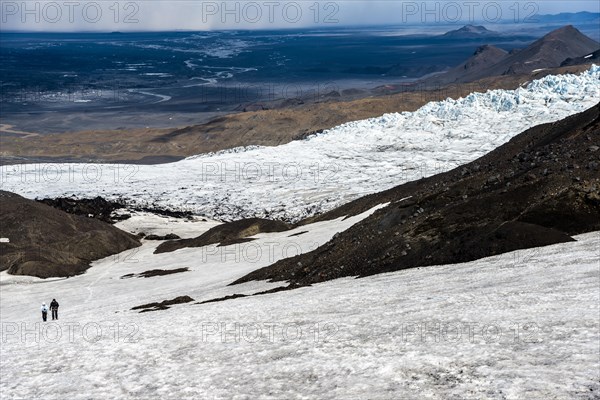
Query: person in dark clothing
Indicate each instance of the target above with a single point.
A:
(54, 308)
(44, 312)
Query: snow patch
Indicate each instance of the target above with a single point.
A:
(153, 224)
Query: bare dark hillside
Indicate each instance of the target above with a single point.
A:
(47, 242)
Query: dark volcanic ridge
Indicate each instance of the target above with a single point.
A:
(98, 208)
(538, 189)
(156, 272)
(238, 295)
(227, 234)
(168, 236)
(593, 57)
(105, 210)
(47, 242)
(551, 51)
(163, 305)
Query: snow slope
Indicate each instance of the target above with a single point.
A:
(306, 177)
(524, 325)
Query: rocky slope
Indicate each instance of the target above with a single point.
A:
(97, 207)
(538, 189)
(593, 57)
(46, 242)
(483, 58)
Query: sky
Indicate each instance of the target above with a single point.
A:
(160, 15)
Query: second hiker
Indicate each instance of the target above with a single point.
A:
(54, 308)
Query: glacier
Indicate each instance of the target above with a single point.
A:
(311, 176)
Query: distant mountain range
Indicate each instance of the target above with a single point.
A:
(550, 51)
(578, 17)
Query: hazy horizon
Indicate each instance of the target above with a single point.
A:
(182, 15)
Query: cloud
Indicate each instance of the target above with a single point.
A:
(144, 15)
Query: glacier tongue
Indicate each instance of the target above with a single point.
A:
(302, 178)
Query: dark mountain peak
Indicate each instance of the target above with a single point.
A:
(566, 33)
(473, 28)
(484, 57)
(548, 52)
(567, 28)
(487, 48)
(481, 49)
(469, 31)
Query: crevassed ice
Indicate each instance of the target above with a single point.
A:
(306, 177)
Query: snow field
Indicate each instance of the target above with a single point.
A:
(519, 325)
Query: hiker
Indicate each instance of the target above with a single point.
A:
(44, 311)
(54, 308)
